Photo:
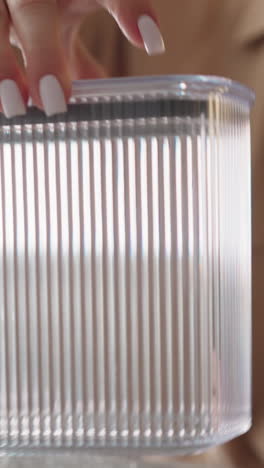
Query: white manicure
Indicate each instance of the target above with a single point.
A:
(52, 95)
(151, 35)
(11, 99)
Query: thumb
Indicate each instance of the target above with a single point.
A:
(138, 22)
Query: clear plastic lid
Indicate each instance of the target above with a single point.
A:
(193, 87)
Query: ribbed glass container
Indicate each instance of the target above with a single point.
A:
(125, 268)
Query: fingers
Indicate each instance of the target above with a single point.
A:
(49, 69)
(36, 23)
(13, 92)
(138, 22)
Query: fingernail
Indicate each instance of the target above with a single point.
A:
(151, 35)
(11, 99)
(52, 95)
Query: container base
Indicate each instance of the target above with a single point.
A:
(173, 447)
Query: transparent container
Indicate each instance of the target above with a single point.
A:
(125, 276)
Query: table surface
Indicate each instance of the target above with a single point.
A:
(89, 461)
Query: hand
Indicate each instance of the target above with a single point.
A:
(47, 32)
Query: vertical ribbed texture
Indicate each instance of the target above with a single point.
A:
(125, 281)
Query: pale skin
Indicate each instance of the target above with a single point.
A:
(47, 32)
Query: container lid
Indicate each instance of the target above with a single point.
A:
(193, 87)
(140, 97)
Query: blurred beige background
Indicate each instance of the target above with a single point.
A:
(222, 38)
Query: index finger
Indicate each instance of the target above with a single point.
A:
(138, 21)
(37, 26)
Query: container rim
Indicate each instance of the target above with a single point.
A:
(190, 86)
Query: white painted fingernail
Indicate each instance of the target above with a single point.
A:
(11, 99)
(52, 95)
(151, 35)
